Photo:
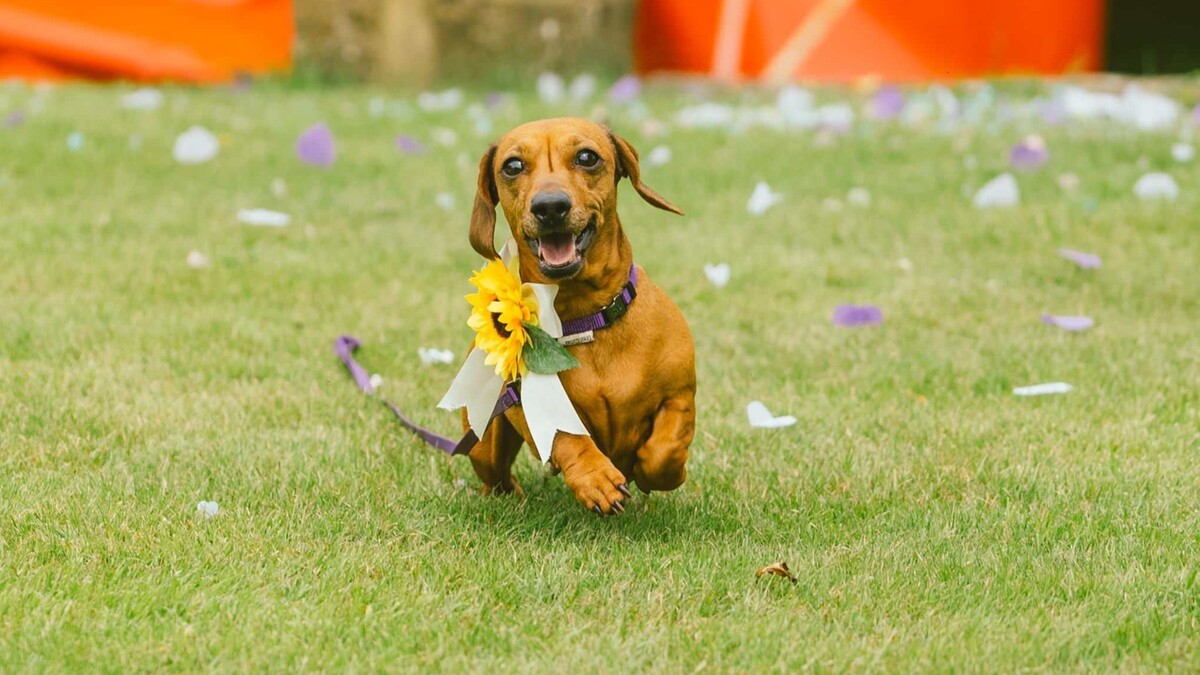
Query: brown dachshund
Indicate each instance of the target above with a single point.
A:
(635, 388)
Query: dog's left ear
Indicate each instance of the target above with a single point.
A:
(627, 166)
(483, 216)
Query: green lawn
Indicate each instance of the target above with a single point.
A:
(934, 520)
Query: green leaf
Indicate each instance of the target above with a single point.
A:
(544, 355)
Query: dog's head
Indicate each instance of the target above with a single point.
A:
(557, 183)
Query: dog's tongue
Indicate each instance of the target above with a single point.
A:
(557, 249)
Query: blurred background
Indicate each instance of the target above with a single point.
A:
(419, 42)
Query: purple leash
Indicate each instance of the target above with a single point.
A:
(344, 347)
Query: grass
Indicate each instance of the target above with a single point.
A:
(935, 522)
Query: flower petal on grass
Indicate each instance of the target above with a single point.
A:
(717, 274)
(850, 316)
(1087, 261)
(1071, 323)
(316, 147)
(761, 418)
(625, 89)
(409, 145)
(264, 218)
(762, 199)
(1029, 154)
(779, 569)
(207, 509)
(432, 355)
(196, 146)
(1156, 185)
(1000, 191)
(887, 103)
(1043, 389)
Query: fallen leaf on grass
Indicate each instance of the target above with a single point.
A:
(779, 569)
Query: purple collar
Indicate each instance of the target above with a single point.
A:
(607, 315)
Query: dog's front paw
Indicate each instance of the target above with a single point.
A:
(601, 489)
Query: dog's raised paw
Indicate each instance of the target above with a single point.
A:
(602, 490)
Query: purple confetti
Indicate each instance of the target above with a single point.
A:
(1029, 154)
(887, 103)
(849, 316)
(14, 119)
(1053, 112)
(409, 145)
(1196, 115)
(625, 89)
(315, 146)
(495, 99)
(1073, 323)
(1087, 261)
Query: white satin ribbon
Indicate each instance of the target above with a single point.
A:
(548, 409)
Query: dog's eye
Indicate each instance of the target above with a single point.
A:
(587, 159)
(512, 167)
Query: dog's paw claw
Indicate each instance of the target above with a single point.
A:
(596, 508)
(624, 489)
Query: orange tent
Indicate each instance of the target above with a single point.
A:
(841, 40)
(145, 40)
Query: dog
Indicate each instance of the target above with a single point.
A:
(556, 181)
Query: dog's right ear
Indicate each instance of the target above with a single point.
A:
(483, 216)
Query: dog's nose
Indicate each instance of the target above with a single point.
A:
(550, 208)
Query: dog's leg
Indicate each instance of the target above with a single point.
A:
(662, 461)
(592, 478)
(493, 457)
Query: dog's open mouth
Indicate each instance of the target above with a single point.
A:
(560, 254)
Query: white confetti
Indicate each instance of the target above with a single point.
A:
(1043, 389)
(207, 509)
(445, 201)
(264, 218)
(432, 355)
(1156, 185)
(583, 87)
(196, 146)
(442, 101)
(1183, 152)
(1000, 191)
(550, 87)
(761, 418)
(146, 98)
(376, 380)
(197, 260)
(659, 156)
(717, 274)
(859, 196)
(762, 199)
(75, 141)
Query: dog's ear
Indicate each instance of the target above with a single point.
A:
(627, 166)
(483, 215)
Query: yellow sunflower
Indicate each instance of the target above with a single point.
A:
(499, 312)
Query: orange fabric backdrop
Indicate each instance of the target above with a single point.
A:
(895, 40)
(146, 40)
